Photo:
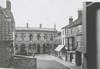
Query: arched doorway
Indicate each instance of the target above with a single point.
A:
(23, 50)
(30, 51)
(34, 48)
(44, 48)
(48, 48)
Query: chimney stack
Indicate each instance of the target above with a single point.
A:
(27, 26)
(8, 4)
(79, 13)
(55, 26)
(40, 25)
(70, 20)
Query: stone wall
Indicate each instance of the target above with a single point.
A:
(5, 54)
(23, 62)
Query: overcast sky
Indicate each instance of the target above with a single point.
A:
(45, 12)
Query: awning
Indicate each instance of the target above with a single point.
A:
(59, 48)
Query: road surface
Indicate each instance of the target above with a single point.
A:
(46, 62)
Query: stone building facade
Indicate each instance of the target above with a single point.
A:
(73, 40)
(29, 40)
(7, 28)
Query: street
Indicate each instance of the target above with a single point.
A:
(48, 62)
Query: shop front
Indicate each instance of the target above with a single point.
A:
(60, 51)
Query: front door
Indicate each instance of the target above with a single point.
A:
(78, 58)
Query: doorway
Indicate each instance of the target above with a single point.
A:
(38, 48)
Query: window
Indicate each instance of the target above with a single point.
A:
(34, 47)
(63, 32)
(15, 36)
(30, 46)
(71, 30)
(23, 36)
(16, 47)
(66, 32)
(30, 37)
(51, 38)
(45, 36)
(38, 36)
(79, 28)
(63, 41)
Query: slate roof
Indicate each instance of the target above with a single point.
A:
(76, 22)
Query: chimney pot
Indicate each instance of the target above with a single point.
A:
(8, 4)
(70, 20)
(55, 26)
(27, 25)
(79, 13)
(40, 25)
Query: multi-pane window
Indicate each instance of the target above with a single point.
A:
(15, 36)
(23, 36)
(79, 28)
(34, 47)
(71, 30)
(30, 37)
(30, 46)
(71, 43)
(63, 41)
(16, 47)
(45, 36)
(38, 36)
(79, 41)
(51, 38)
(63, 32)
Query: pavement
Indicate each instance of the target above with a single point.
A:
(54, 58)
(48, 62)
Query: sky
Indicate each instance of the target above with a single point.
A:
(45, 12)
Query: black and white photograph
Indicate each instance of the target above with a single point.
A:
(49, 34)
